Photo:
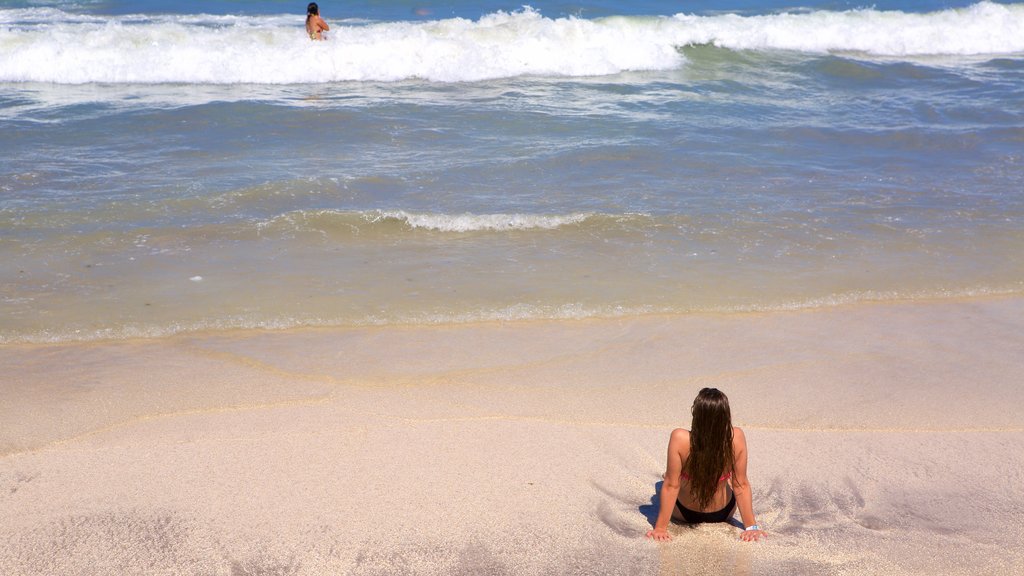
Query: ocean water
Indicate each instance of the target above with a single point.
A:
(176, 166)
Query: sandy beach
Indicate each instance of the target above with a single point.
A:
(884, 439)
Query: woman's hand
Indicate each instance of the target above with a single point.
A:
(753, 535)
(659, 535)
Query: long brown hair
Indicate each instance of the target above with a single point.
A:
(710, 444)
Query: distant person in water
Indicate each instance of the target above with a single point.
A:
(315, 25)
(706, 474)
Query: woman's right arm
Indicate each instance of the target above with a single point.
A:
(741, 487)
(670, 484)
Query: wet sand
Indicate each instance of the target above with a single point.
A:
(884, 438)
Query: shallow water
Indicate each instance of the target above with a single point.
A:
(201, 165)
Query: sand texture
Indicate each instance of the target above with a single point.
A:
(884, 439)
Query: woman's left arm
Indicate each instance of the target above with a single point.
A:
(669, 485)
(741, 487)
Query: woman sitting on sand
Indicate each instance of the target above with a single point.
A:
(710, 463)
(315, 25)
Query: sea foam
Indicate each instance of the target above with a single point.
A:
(479, 222)
(333, 220)
(51, 46)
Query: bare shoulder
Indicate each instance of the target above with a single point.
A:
(680, 440)
(739, 439)
(681, 435)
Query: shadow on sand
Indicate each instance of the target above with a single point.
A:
(650, 511)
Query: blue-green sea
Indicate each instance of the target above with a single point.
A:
(175, 166)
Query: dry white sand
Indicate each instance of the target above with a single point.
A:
(884, 439)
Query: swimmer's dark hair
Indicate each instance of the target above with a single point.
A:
(312, 9)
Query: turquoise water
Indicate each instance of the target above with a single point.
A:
(167, 167)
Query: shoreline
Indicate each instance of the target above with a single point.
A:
(812, 306)
(884, 438)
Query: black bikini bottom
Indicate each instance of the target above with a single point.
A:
(722, 515)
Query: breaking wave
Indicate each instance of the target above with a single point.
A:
(51, 46)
